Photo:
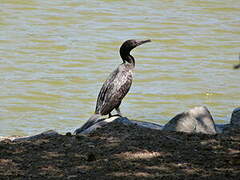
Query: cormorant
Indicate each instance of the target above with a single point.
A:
(116, 86)
(238, 65)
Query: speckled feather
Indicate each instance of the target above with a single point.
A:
(114, 89)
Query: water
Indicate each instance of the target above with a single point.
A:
(55, 55)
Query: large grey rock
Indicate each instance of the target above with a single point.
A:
(235, 119)
(122, 120)
(196, 120)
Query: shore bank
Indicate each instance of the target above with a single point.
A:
(118, 151)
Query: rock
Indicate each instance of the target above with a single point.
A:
(220, 127)
(8, 138)
(235, 119)
(234, 126)
(196, 120)
(99, 124)
(147, 125)
(122, 120)
(94, 119)
(38, 136)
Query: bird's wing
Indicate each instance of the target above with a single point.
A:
(104, 90)
(113, 91)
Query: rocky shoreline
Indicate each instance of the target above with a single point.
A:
(189, 146)
(196, 120)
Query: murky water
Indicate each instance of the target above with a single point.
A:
(55, 55)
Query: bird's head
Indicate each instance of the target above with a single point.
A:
(127, 46)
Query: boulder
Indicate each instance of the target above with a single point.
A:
(196, 120)
(234, 126)
(122, 120)
(147, 125)
(100, 124)
(220, 128)
(34, 137)
(235, 118)
(38, 136)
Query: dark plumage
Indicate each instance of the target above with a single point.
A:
(116, 86)
(238, 65)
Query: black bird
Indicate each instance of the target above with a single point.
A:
(116, 86)
(238, 65)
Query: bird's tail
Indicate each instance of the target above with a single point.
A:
(91, 121)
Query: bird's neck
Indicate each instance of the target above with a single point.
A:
(129, 59)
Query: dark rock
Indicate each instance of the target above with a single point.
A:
(148, 125)
(235, 119)
(221, 127)
(99, 125)
(91, 157)
(234, 126)
(122, 120)
(38, 136)
(196, 120)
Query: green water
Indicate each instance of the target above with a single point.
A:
(55, 55)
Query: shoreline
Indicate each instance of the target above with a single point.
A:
(118, 151)
(195, 120)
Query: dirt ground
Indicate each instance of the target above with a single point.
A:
(123, 152)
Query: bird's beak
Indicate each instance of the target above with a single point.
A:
(142, 42)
